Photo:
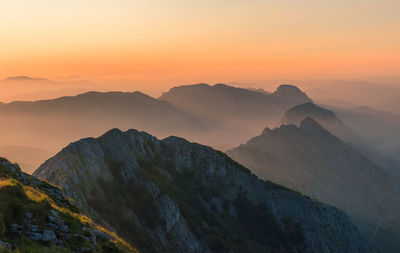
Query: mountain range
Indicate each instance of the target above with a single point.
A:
(52, 124)
(238, 113)
(171, 195)
(306, 157)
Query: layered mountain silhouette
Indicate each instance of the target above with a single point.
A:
(324, 117)
(227, 116)
(330, 121)
(24, 78)
(308, 158)
(238, 113)
(226, 101)
(52, 124)
(36, 217)
(171, 195)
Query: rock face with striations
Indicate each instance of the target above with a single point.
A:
(311, 160)
(36, 217)
(175, 196)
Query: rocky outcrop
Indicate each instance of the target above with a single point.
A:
(311, 160)
(36, 217)
(175, 196)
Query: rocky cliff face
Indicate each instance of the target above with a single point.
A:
(311, 160)
(36, 217)
(175, 196)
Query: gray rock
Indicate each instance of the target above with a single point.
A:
(6, 245)
(215, 180)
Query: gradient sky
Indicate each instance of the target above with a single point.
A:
(224, 40)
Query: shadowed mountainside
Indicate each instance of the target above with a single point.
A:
(238, 113)
(311, 160)
(324, 117)
(52, 124)
(175, 196)
(36, 217)
(229, 117)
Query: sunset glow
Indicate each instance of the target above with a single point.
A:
(167, 41)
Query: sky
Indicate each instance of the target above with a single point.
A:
(159, 42)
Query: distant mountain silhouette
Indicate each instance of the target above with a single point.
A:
(51, 124)
(326, 118)
(377, 124)
(232, 101)
(24, 78)
(311, 160)
(238, 112)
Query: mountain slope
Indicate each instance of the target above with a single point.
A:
(237, 113)
(234, 102)
(175, 196)
(36, 217)
(324, 117)
(311, 160)
(339, 128)
(52, 124)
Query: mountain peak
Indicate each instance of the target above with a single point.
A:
(305, 113)
(291, 92)
(311, 108)
(162, 184)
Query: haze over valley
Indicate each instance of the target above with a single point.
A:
(200, 126)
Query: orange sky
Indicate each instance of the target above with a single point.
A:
(188, 41)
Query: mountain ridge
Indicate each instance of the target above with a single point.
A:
(36, 217)
(203, 200)
(310, 159)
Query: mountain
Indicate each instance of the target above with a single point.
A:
(36, 217)
(171, 195)
(24, 78)
(324, 117)
(238, 113)
(309, 159)
(234, 102)
(52, 124)
(330, 121)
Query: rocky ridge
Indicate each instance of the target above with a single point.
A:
(311, 160)
(175, 196)
(36, 217)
